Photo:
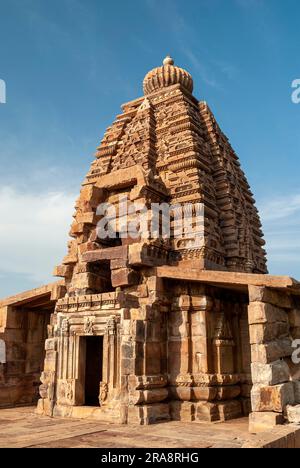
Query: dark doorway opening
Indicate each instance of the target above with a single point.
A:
(93, 369)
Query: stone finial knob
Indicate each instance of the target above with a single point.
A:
(168, 61)
(167, 75)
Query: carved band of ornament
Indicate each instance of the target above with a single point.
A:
(206, 380)
(187, 193)
(187, 164)
(183, 148)
(147, 382)
(107, 151)
(167, 99)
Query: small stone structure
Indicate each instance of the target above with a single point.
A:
(141, 331)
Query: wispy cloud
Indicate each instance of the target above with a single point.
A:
(281, 224)
(281, 208)
(33, 234)
(186, 38)
(205, 74)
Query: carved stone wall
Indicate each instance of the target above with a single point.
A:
(170, 350)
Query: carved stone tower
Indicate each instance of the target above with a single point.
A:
(156, 343)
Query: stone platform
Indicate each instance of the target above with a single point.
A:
(22, 428)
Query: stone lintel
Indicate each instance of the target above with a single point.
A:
(111, 253)
(33, 294)
(232, 279)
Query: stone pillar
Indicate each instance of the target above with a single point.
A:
(143, 382)
(271, 344)
(48, 377)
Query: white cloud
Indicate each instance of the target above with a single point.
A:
(281, 208)
(33, 233)
(281, 225)
(203, 71)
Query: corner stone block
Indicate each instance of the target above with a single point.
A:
(294, 318)
(293, 414)
(259, 312)
(271, 296)
(297, 392)
(3, 315)
(124, 277)
(263, 422)
(272, 351)
(273, 399)
(270, 374)
(264, 332)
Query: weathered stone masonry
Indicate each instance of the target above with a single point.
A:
(146, 331)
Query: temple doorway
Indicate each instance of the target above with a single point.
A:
(93, 369)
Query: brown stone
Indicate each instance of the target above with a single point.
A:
(262, 333)
(297, 391)
(263, 422)
(293, 414)
(294, 318)
(272, 351)
(142, 329)
(273, 398)
(271, 296)
(259, 313)
(270, 374)
(124, 277)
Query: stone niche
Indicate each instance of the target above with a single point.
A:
(209, 360)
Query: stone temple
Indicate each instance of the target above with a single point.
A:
(140, 330)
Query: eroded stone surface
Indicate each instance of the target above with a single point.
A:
(143, 330)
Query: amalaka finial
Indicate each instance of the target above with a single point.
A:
(168, 61)
(167, 75)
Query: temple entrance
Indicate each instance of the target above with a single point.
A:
(93, 369)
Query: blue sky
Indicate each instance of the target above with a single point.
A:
(70, 64)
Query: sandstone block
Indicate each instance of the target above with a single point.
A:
(246, 390)
(263, 422)
(293, 414)
(118, 263)
(275, 398)
(230, 410)
(270, 374)
(260, 312)
(228, 392)
(262, 333)
(271, 296)
(297, 391)
(204, 393)
(124, 277)
(149, 414)
(207, 412)
(294, 318)
(180, 393)
(272, 351)
(182, 411)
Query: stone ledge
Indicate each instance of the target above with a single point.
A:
(279, 437)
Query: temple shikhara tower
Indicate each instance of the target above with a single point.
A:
(140, 330)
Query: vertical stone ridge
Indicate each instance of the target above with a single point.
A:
(239, 217)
